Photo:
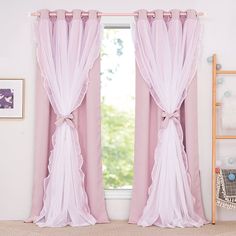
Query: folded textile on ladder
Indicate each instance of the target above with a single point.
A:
(228, 113)
(226, 188)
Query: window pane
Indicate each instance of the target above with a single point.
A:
(117, 94)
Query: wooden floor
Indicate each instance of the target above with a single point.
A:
(115, 228)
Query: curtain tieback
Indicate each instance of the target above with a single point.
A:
(68, 119)
(167, 116)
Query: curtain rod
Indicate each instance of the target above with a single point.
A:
(52, 13)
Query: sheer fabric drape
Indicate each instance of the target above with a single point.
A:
(67, 50)
(166, 54)
(87, 119)
(148, 121)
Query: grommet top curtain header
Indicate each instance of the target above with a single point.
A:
(66, 50)
(74, 42)
(161, 14)
(166, 55)
(168, 38)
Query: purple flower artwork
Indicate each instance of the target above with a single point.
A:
(6, 98)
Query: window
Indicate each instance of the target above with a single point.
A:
(117, 106)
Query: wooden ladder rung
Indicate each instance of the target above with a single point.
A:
(218, 104)
(226, 137)
(226, 72)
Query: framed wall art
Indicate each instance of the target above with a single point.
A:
(11, 98)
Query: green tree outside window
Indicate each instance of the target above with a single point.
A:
(117, 120)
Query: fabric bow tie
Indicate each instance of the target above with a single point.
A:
(167, 117)
(68, 119)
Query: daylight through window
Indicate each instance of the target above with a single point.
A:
(117, 105)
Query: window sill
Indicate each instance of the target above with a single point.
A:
(118, 194)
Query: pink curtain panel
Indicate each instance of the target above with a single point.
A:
(67, 50)
(166, 55)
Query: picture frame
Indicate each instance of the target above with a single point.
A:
(12, 98)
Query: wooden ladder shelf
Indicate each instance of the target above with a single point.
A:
(216, 137)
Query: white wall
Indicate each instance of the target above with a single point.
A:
(17, 61)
